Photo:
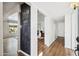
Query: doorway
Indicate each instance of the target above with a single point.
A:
(60, 28)
(40, 32)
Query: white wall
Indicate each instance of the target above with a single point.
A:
(60, 28)
(49, 31)
(34, 31)
(71, 28)
(78, 22)
(1, 28)
(74, 28)
(40, 21)
(5, 28)
(68, 31)
(7, 13)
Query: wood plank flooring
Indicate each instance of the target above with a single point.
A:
(56, 48)
(40, 46)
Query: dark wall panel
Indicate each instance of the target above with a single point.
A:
(25, 28)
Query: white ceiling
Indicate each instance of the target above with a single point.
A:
(55, 10)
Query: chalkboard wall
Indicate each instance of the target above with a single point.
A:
(25, 28)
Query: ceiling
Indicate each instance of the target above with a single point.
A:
(55, 10)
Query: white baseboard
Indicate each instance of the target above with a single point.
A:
(23, 52)
(41, 54)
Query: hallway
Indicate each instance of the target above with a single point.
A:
(29, 20)
(57, 49)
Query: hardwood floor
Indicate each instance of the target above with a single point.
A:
(40, 45)
(56, 48)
